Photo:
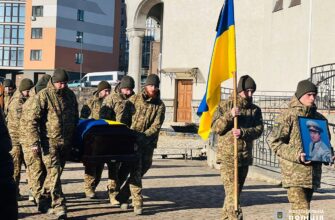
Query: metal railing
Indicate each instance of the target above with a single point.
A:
(324, 77)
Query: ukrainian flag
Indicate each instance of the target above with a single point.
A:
(222, 67)
(85, 125)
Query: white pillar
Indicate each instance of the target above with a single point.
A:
(135, 37)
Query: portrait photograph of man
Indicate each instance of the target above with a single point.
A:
(315, 139)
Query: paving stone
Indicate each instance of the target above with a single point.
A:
(176, 189)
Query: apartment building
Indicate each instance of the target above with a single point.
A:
(12, 20)
(81, 36)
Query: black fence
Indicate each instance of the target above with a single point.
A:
(324, 77)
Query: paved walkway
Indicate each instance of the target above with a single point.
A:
(177, 189)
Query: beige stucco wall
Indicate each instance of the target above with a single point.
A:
(323, 37)
(188, 38)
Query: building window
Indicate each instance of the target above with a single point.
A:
(295, 3)
(15, 13)
(14, 35)
(5, 56)
(278, 5)
(22, 13)
(11, 34)
(36, 33)
(12, 12)
(11, 56)
(80, 37)
(7, 34)
(21, 35)
(2, 12)
(35, 55)
(37, 11)
(20, 56)
(8, 12)
(80, 15)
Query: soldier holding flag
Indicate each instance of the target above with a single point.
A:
(235, 142)
(250, 128)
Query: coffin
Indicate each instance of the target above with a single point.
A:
(103, 141)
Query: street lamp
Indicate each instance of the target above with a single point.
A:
(80, 56)
(80, 59)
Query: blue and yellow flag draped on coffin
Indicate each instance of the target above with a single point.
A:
(222, 67)
(85, 125)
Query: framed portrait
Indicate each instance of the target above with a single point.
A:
(315, 139)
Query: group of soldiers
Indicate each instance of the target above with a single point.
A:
(42, 120)
(299, 176)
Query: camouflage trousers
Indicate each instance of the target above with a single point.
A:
(18, 160)
(113, 178)
(300, 200)
(92, 177)
(227, 176)
(133, 185)
(54, 157)
(37, 173)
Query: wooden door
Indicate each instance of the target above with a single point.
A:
(184, 100)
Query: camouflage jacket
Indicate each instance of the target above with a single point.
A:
(6, 162)
(286, 142)
(91, 109)
(2, 97)
(14, 115)
(55, 114)
(7, 100)
(250, 122)
(147, 119)
(24, 132)
(116, 107)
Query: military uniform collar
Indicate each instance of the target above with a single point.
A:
(306, 110)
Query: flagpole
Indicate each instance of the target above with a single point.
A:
(236, 174)
(236, 187)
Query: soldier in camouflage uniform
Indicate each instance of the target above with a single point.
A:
(35, 166)
(250, 127)
(8, 202)
(2, 91)
(13, 119)
(54, 117)
(147, 120)
(116, 107)
(91, 109)
(8, 95)
(299, 176)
